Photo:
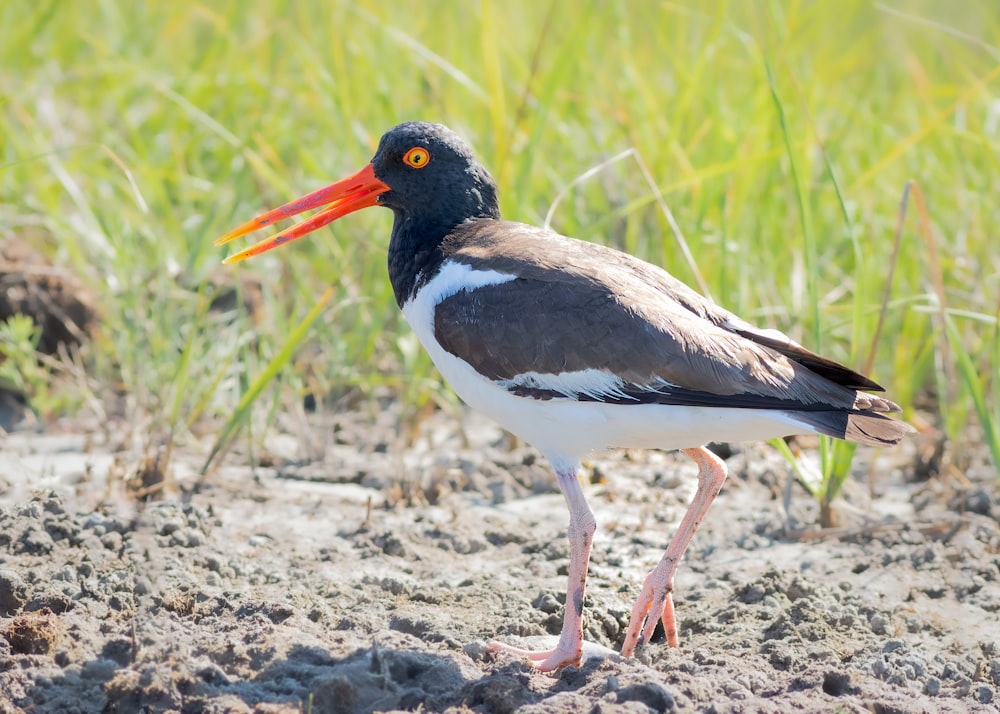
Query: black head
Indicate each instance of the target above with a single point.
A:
(433, 176)
(424, 172)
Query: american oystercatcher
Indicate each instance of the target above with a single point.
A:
(576, 347)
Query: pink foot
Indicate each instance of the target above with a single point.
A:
(654, 603)
(548, 660)
(569, 649)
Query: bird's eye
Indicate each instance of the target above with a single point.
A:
(417, 157)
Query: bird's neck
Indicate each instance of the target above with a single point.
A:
(419, 230)
(414, 252)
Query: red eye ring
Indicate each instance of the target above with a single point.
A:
(417, 157)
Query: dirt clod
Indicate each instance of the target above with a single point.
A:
(34, 633)
(56, 301)
(14, 592)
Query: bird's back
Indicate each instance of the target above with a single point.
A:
(586, 322)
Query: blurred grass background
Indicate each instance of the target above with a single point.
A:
(781, 135)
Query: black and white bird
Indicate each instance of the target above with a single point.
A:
(575, 347)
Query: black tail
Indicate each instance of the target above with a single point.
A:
(872, 428)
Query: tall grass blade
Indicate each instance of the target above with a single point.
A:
(281, 360)
(975, 384)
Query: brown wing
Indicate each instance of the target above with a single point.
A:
(627, 318)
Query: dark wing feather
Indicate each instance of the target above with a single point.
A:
(818, 364)
(701, 306)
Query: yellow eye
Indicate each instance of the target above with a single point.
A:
(417, 157)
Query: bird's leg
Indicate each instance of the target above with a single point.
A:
(582, 525)
(655, 601)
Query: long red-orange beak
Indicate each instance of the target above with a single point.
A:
(345, 196)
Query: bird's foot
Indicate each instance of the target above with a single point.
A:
(654, 603)
(562, 655)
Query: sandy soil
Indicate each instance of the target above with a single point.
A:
(370, 576)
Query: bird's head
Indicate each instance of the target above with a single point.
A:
(422, 171)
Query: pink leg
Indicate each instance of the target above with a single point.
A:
(582, 525)
(655, 601)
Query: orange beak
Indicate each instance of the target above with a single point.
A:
(346, 196)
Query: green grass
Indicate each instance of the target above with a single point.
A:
(780, 134)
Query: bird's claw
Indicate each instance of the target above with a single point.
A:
(653, 604)
(547, 660)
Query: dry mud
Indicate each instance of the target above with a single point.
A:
(370, 576)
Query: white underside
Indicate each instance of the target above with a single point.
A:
(565, 430)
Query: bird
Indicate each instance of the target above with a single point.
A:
(577, 347)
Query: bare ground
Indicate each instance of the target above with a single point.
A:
(370, 577)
